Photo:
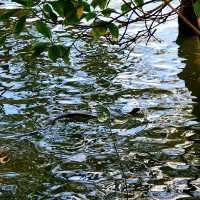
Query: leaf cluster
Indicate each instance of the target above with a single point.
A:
(96, 18)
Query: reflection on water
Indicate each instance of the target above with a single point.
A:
(159, 150)
(189, 50)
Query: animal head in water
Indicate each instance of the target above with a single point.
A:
(134, 111)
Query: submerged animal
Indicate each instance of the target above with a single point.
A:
(81, 116)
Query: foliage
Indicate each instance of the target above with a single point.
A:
(91, 19)
(197, 8)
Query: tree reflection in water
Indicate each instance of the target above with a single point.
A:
(189, 49)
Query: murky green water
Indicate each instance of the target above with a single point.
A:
(158, 153)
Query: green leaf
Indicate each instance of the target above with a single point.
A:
(64, 8)
(196, 6)
(68, 10)
(59, 51)
(114, 30)
(90, 15)
(47, 8)
(98, 31)
(103, 114)
(39, 48)
(86, 6)
(58, 7)
(53, 17)
(49, 13)
(2, 40)
(125, 7)
(64, 52)
(65, 56)
(52, 53)
(19, 27)
(73, 20)
(101, 3)
(139, 2)
(43, 29)
(99, 28)
(107, 12)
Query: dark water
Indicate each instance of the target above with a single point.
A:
(154, 156)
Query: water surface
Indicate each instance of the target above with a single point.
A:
(158, 153)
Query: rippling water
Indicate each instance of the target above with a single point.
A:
(158, 153)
